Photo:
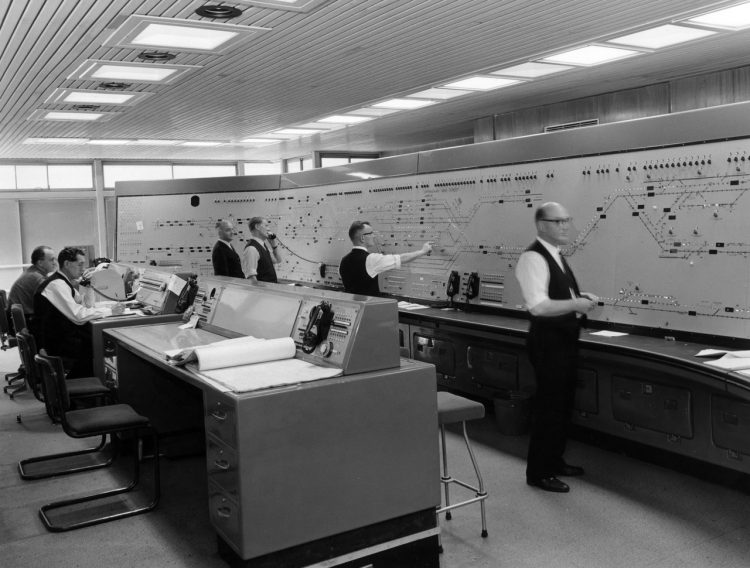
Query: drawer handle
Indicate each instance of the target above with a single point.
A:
(224, 512)
(219, 415)
(222, 464)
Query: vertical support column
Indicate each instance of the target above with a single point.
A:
(101, 218)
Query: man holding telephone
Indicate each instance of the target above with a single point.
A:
(261, 253)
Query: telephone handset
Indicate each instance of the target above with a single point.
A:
(454, 283)
(187, 295)
(318, 324)
(472, 286)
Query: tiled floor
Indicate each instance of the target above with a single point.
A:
(623, 513)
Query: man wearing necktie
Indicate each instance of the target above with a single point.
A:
(557, 309)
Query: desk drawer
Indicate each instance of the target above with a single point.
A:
(221, 418)
(221, 463)
(224, 514)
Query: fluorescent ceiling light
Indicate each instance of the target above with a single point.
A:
(200, 143)
(531, 70)
(82, 116)
(88, 97)
(345, 119)
(149, 142)
(590, 55)
(369, 111)
(154, 32)
(661, 36)
(325, 127)
(734, 18)
(297, 131)
(71, 141)
(110, 142)
(481, 83)
(93, 69)
(262, 140)
(403, 104)
(438, 93)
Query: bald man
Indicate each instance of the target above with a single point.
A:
(556, 306)
(225, 259)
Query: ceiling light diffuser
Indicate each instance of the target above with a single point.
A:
(84, 96)
(481, 83)
(193, 36)
(661, 36)
(200, 143)
(149, 142)
(345, 119)
(65, 141)
(531, 70)
(375, 112)
(109, 142)
(297, 131)
(590, 55)
(403, 104)
(438, 93)
(94, 69)
(262, 140)
(734, 18)
(41, 114)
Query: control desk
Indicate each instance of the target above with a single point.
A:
(306, 472)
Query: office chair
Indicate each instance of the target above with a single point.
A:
(7, 341)
(120, 423)
(82, 390)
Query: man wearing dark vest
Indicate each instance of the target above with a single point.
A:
(360, 268)
(61, 318)
(261, 252)
(225, 259)
(557, 310)
(43, 262)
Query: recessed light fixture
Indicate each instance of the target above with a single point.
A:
(481, 83)
(291, 5)
(183, 35)
(438, 93)
(590, 55)
(155, 56)
(59, 115)
(63, 141)
(531, 70)
(93, 69)
(297, 131)
(404, 104)
(345, 119)
(84, 96)
(218, 12)
(661, 36)
(114, 85)
(375, 112)
(149, 142)
(109, 142)
(199, 143)
(261, 140)
(733, 18)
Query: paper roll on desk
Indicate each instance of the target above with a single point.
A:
(234, 352)
(247, 363)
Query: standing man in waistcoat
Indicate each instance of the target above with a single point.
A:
(557, 310)
(225, 259)
(360, 268)
(61, 319)
(261, 253)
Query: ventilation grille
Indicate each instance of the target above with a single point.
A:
(569, 125)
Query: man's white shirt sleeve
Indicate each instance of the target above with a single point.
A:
(58, 293)
(532, 274)
(376, 263)
(250, 258)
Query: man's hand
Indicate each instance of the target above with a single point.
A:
(118, 309)
(427, 247)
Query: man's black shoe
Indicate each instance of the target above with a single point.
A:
(570, 470)
(549, 484)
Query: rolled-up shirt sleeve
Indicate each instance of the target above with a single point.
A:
(532, 274)
(376, 263)
(58, 293)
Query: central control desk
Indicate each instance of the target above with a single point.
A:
(335, 470)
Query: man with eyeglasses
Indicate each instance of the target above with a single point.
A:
(61, 318)
(360, 268)
(557, 310)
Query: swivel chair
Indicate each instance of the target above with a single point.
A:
(120, 423)
(15, 381)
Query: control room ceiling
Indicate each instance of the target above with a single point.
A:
(341, 55)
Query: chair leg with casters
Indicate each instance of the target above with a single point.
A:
(453, 409)
(117, 422)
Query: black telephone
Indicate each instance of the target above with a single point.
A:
(472, 286)
(454, 283)
(187, 295)
(318, 324)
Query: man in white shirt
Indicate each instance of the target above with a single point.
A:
(557, 310)
(360, 268)
(262, 252)
(61, 317)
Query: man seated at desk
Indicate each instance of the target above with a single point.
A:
(61, 324)
(43, 262)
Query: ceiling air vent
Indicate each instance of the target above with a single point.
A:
(570, 125)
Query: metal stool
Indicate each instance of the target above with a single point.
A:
(452, 409)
